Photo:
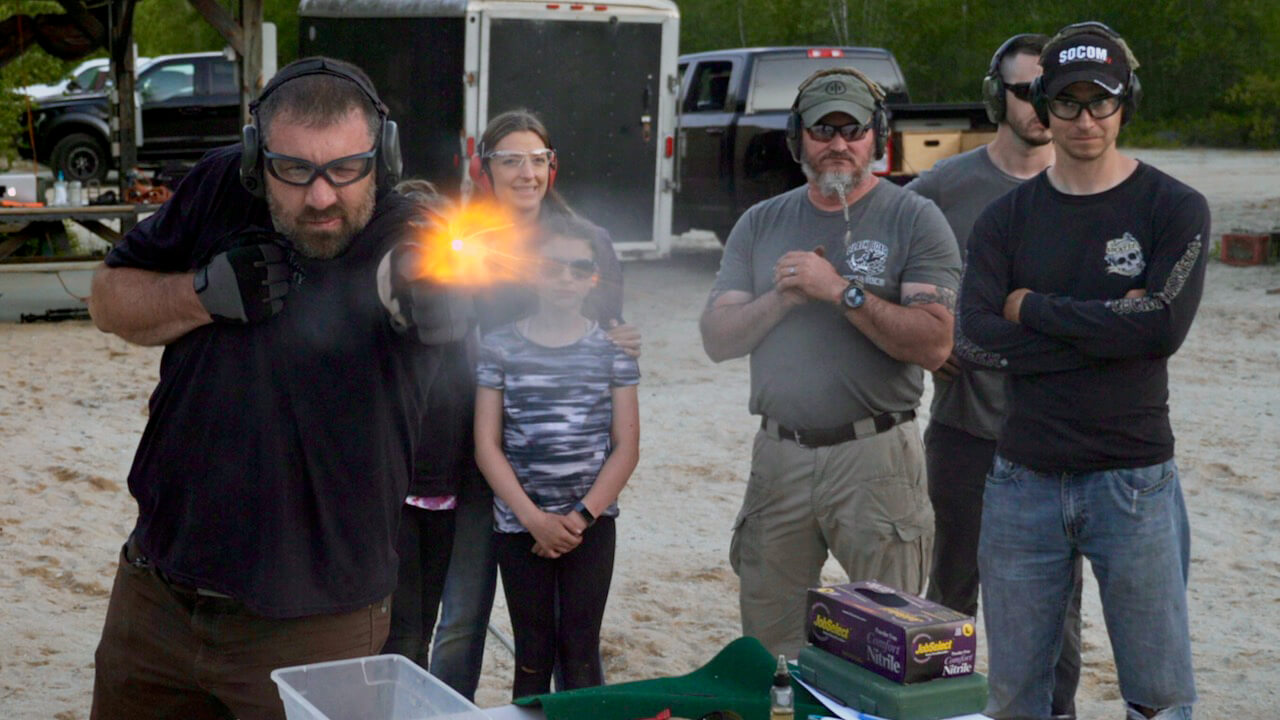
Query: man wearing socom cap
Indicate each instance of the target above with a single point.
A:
(969, 403)
(280, 443)
(840, 291)
(1080, 284)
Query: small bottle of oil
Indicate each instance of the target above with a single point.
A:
(781, 698)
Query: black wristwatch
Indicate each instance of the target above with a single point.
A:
(585, 513)
(853, 296)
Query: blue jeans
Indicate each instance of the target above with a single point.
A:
(958, 464)
(458, 653)
(1132, 526)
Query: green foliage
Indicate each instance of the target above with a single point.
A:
(162, 27)
(30, 68)
(1210, 69)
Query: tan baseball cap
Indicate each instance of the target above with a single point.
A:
(836, 93)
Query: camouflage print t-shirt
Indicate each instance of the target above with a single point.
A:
(557, 413)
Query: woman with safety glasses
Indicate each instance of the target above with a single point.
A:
(515, 166)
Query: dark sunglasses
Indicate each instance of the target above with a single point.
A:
(1066, 108)
(851, 132)
(339, 172)
(1022, 91)
(580, 269)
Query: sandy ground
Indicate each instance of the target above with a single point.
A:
(72, 407)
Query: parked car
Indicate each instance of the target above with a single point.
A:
(93, 75)
(190, 103)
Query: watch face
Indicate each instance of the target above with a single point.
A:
(853, 297)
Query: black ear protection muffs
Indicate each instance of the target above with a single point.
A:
(993, 83)
(879, 116)
(1132, 87)
(388, 164)
(478, 170)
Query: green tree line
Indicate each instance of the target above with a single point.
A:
(1210, 69)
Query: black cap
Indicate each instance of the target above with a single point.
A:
(1085, 57)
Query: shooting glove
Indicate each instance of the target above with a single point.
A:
(245, 284)
(437, 313)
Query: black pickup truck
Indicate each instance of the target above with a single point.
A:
(190, 103)
(733, 109)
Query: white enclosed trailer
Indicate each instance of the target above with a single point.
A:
(602, 76)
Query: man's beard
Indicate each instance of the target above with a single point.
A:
(833, 184)
(1030, 141)
(323, 245)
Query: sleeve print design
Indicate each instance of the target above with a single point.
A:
(1172, 287)
(967, 349)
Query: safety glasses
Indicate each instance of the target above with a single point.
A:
(851, 132)
(515, 159)
(1066, 108)
(580, 269)
(339, 172)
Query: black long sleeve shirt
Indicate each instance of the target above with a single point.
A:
(1089, 388)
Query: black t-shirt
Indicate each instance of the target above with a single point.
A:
(1089, 384)
(277, 455)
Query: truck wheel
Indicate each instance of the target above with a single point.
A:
(81, 157)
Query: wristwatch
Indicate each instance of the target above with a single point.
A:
(853, 296)
(582, 510)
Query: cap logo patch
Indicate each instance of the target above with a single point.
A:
(835, 87)
(1083, 52)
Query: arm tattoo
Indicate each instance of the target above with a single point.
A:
(946, 297)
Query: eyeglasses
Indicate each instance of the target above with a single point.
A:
(1066, 108)
(851, 132)
(515, 159)
(339, 172)
(1022, 91)
(580, 269)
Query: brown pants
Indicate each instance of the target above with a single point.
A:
(168, 652)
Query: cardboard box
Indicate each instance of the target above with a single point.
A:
(903, 637)
(920, 150)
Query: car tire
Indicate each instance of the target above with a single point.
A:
(82, 157)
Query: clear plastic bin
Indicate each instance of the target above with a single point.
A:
(382, 687)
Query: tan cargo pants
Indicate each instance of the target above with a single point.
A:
(864, 501)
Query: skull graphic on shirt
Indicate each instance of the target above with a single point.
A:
(1124, 256)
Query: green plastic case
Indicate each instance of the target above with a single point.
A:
(868, 692)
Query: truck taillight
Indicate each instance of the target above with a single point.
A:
(826, 53)
(671, 146)
(471, 146)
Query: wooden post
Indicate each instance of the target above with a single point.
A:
(124, 138)
(251, 58)
(244, 35)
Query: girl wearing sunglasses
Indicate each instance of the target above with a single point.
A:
(516, 169)
(557, 436)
